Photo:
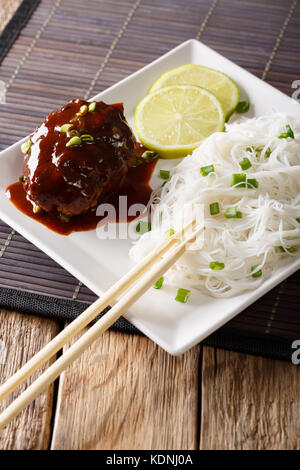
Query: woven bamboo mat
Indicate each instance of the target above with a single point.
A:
(71, 48)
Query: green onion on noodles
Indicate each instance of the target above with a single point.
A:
(255, 216)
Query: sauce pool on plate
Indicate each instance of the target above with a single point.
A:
(82, 155)
(136, 187)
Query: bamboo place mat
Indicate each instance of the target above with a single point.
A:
(71, 48)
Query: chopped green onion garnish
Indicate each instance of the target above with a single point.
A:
(169, 233)
(290, 249)
(243, 107)
(214, 208)
(143, 227)
(66, 127)
(158, 284)
(245, 164)
(268, 152)
(25, 147)
(233, 213)
(73, 141)
(92, 106)
(216, 265)
(87, 138)
(252, 183)
(205, 170)
(256, 273)
(289, 133)
(182, 295)
(83, 110)
(259, 149)
(150, 155)
(164, 174)
(239, 179)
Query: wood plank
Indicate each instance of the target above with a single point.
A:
(21, 336)
(7, 9)
(248, 402)
(127, 393)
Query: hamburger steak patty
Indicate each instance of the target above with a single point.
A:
(77, 155)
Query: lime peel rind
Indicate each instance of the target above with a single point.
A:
(170, 76)
(143, 111)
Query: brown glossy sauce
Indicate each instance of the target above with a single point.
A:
(136, 187)
(70, 179)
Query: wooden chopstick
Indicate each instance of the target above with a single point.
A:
(143, 284)
(87, 316)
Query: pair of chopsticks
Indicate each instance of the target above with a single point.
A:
(151, 268)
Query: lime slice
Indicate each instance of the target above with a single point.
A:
(225, 89)
(174, 120)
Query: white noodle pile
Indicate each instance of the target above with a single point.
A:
(268, 213)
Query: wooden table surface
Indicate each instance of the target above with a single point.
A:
(127, 393)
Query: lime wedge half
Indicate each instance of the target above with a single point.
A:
(174, 120)
(225, 89)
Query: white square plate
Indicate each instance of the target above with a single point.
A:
(99, 263)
